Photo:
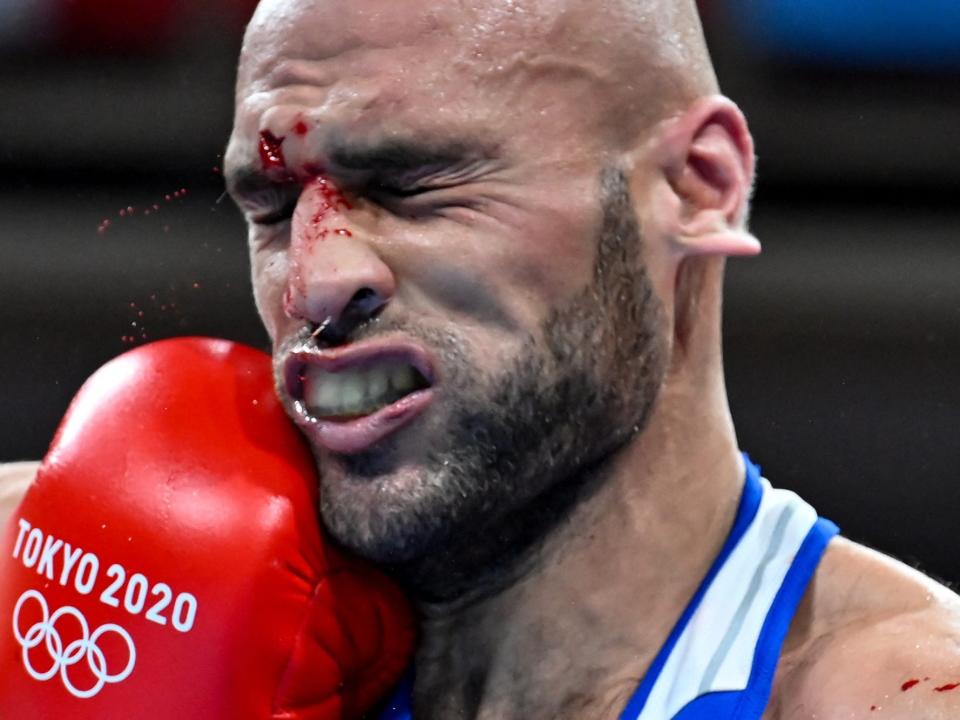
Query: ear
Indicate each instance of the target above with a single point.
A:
(706, 159)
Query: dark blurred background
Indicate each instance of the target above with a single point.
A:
(842, 339)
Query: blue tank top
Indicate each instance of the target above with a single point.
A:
(719, 660)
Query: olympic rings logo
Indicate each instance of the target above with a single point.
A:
(63, 658)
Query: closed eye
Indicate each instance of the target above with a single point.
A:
(272, 206)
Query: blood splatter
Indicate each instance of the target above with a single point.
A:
(301, 128)
(271, 152)
(130, 211)
(873, 708)
(909, 684)
(948, 688)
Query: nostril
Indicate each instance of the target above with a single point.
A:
(365, 301)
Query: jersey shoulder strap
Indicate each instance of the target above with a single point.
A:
(719, 661)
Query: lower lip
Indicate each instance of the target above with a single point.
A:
(358, 434)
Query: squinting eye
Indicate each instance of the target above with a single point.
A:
(276, 217)
(390, 190)
(274, 206)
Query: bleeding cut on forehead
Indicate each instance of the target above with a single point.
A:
(487, 241)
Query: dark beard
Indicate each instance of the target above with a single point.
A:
(520, 451)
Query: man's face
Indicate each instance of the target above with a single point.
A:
(448, 262)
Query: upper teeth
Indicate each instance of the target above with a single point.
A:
(358, 391)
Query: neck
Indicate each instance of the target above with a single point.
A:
(572, 632)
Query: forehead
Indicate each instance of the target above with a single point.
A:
(386, 63)
(318, 29)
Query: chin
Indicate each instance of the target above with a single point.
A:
(381, 513)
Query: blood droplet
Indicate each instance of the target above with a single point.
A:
(873, 708)
(948, 688)
(301, 128)
(271, 152)
(909, 684)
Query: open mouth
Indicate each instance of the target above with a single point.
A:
(355, 392)
(350, 398)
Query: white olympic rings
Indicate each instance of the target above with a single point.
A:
(45, 631)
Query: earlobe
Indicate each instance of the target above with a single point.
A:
(707, 161)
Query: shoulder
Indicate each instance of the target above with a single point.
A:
(876, 640)
(15, 478)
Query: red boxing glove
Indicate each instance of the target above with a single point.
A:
(167, 563)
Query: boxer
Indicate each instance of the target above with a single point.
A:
(487, 241)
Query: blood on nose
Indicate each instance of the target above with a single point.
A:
(325, 199)
(321, 201)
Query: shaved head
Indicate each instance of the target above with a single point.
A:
(637, 60)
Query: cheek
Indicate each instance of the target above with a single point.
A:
(269, 276)
(553, 257)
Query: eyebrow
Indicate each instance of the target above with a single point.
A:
(400, 156)
(385, 158)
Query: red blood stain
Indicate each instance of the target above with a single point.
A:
(948, 688)
(301, 128)
(331, 199)
(271, 152)
(325, 198)
(909, 684)
(872, 708)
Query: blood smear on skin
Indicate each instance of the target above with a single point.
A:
(909, 684)
(948, 688)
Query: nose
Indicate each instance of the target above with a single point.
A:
(336, 278)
